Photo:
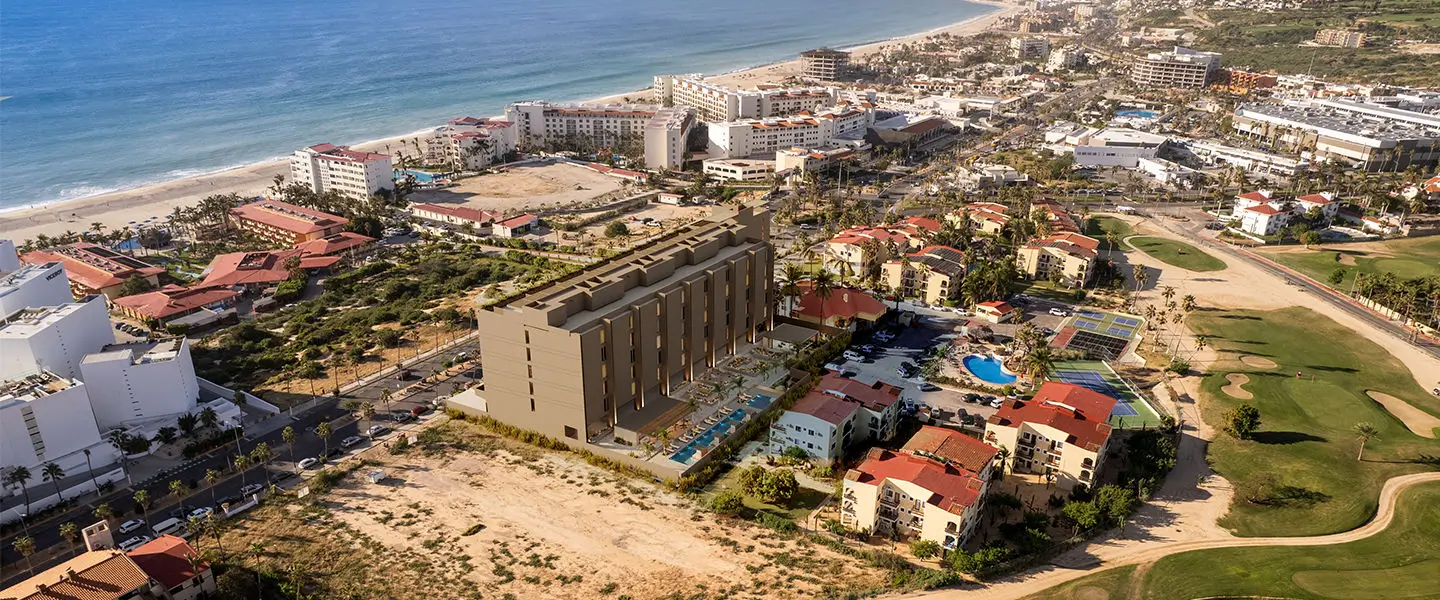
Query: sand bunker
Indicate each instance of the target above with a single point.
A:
(1258, 362)
(1419, 421)
(1235, 389)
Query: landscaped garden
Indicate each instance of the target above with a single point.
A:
(1176, 254)
(1297, 473)
(1098, 226)
(1397, 563)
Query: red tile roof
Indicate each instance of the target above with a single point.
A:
(1314, 199)
(256, 268)
(957, 448)
(1432, 185)
(1264, 209)
(999, 306)
(876, 397)
(99, 575)
(91, 266)
(843, 302)
(1258, 196)
(518, 221)
(951, 489)
(289, 217)
(459, 212)
(926, 223)
(173, 299)
(1075, 410)
(334, 244)
(825, 407)
(1070, 243)
(166, 559)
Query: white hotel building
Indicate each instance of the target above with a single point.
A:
(471, 142)
(132, 383)
(806, 129)
(47, 418)
(34, 285)
(54, 338)
(662, 130)
(1372, 137)
(719, 103)
(326, 167)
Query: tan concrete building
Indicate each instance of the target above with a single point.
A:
(1061, 432)
(987, 217)
(824, 64)
(932, 275)
(284, 223)
(604, 347)
(1340, 37)
(1070, 254)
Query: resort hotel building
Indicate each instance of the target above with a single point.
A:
(1061, 432)
(471, 143)
(1367, 136)
(1178, 68)
(601, 350)
(718, 103)
(327, 167)
(284, 223)
(662, 131)
(824, 64)
(93, 269)
(805, 129)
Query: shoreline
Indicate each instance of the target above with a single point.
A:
(117, 208)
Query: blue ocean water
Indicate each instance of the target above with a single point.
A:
(108, 94)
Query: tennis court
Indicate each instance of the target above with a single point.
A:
(1130, 411)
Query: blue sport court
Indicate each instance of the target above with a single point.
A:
(1131, 410)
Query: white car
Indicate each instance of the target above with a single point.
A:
(309, 462)
(351, 441)
(997, 403)
(131, 525)
(1059, 313)
(375, 430)
(200, 512)
(134, 542)
(834, 367)
(853, 355)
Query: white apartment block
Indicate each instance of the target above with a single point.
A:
(54, 338)
(837, 413)
(754, 137)
(740, 169)
(1114, 147)
(1064, 58)
(471, 143)
(47, 418)
(327, 167)
(1178, 68)
(131, 383)
(1029, 47)
(1061, 432)
(719, 103)
(662, 131)
(800, 160)
(9, 259)
(1252, 161)
(1263, 213)
(34, 285)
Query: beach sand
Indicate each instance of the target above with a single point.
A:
(117, 209)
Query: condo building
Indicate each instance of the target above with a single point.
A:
(327, 167)
(284, 223)
(839, 412)
(93, 269)
(44, 284)
(1029, 47)
(1178, 68)
(1343, 38)
(1368, 136)
(740, 169)
(824, 64)
(805, 129)
(131, 383)
(53, 338)
(932, 275)
(662, 132)
(471, 143)
(47, 418)
(1061, 432)
(1067, 255)
(604, 348)
(715, 102)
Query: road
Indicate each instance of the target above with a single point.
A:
(307, 444)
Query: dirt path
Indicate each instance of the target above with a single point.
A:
(1419, 421)
(1036, 581)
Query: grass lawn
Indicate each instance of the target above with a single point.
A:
(799, 508)
(1100, 225)
(1306, 441)
(1044, 289)
(1406, 258)
(1398, 563)
(1177, 254)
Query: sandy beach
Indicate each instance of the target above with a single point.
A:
(117, 209)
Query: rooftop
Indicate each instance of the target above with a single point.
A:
(1342, 118)
(166, 559)
(846, 303)
(1077, 411)
(951, 446)
(29, 321)
(334, 244)
(876, 397)
(825, 407)
(173, 299)
(289, 217)
(94, 267)
(97, 575)
(952, 489)
(251, 268)
(139, 353)
(35, 385)
(941, 259)
(459, 212)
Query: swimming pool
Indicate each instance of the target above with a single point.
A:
(988, 369)
(1135, 112)
(760, 401)
(707, 437)
(420, 176)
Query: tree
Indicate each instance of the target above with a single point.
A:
(324, 431)
(1140, 274)
(237, 583)
(242, 463)
(133, 286)
(165, 435)
(52, 473)
(1366, 432)
(212, 477)
(179, 491)
(187, 423)
(1115, 503)
(90, 471)
(103, 512)
(1309, 238)
(778, 486)
(367, 412)
(208, 418)
(751, 479)
(20, 476)
(261, 454)
(71, 532)
(142, 499)
(1336, 277)
(925, 549)
(1085, 514)
(728, 502)
(1242, 421)
(288, 435)
(616, 229)
(1039, 363)
(25, 545)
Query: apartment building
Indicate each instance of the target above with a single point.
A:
(715, 102)
(93, 269)
(1065, 58)
(472, 143)
(805, 129)
(356, 174)
(53, 338)
(860, 251)
(1243, 81)
(662, 132)
(1343, 38)
(1178, 68)
(986, 217)
(839, 412)
(605, 346)
(1114, 147)
(1068, 255)
(824, 64)
(908, 496)
(740, 169)
(933, 275)
(284, 223)
(144, 381)
(43, 284)
(47, 418)
(1029, 47)
(798, 161)
(1261, 212)
(1061, 432)
(1368, 136)
(843, 308)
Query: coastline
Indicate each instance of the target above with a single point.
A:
(120, 207)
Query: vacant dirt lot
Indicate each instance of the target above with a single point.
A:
(525, 188)
(481, 514)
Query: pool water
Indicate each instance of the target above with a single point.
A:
(420, 176)
(760, 401)
(988, 369)
(708, 436)
(1144, 114)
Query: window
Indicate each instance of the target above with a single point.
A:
(572, 433)
(532, 405)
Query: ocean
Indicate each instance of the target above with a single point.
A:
(103, 95)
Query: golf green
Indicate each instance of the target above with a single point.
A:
(1176, 254)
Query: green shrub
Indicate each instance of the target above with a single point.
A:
(925, 549)
(729, 502)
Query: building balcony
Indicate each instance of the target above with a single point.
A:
(890, 502)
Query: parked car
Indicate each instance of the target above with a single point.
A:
(848, 374)
(131, 525)
(907, 370)
(997, 403)
(251, 489)
(884, 336)
(419, 409)
(929, 387)
(866, 348)
(1059, 313)
(202, 512)
(973, 398)
(853, 355)
(351, 441)
(134, 542)
(306, 463)
(375, 430)
(834, 367)
(402, 417)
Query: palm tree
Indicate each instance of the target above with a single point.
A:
(323, 430)
(790, 285)
(1039, 363)
(71, 533)
(367, 410)
(52, 473)
(196, 526)
(384, 399)
(179, 491)
(90, 470)
(1365, 431)
(1141, 276)
(208, 418)
(212, 477)
(261, 454)
(25, 545)
(288, 434)
(1168, 292)
(142, 499)
(1002, 458)
(242, 462)
(19, 475)
(212, 525)
(103, 512)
